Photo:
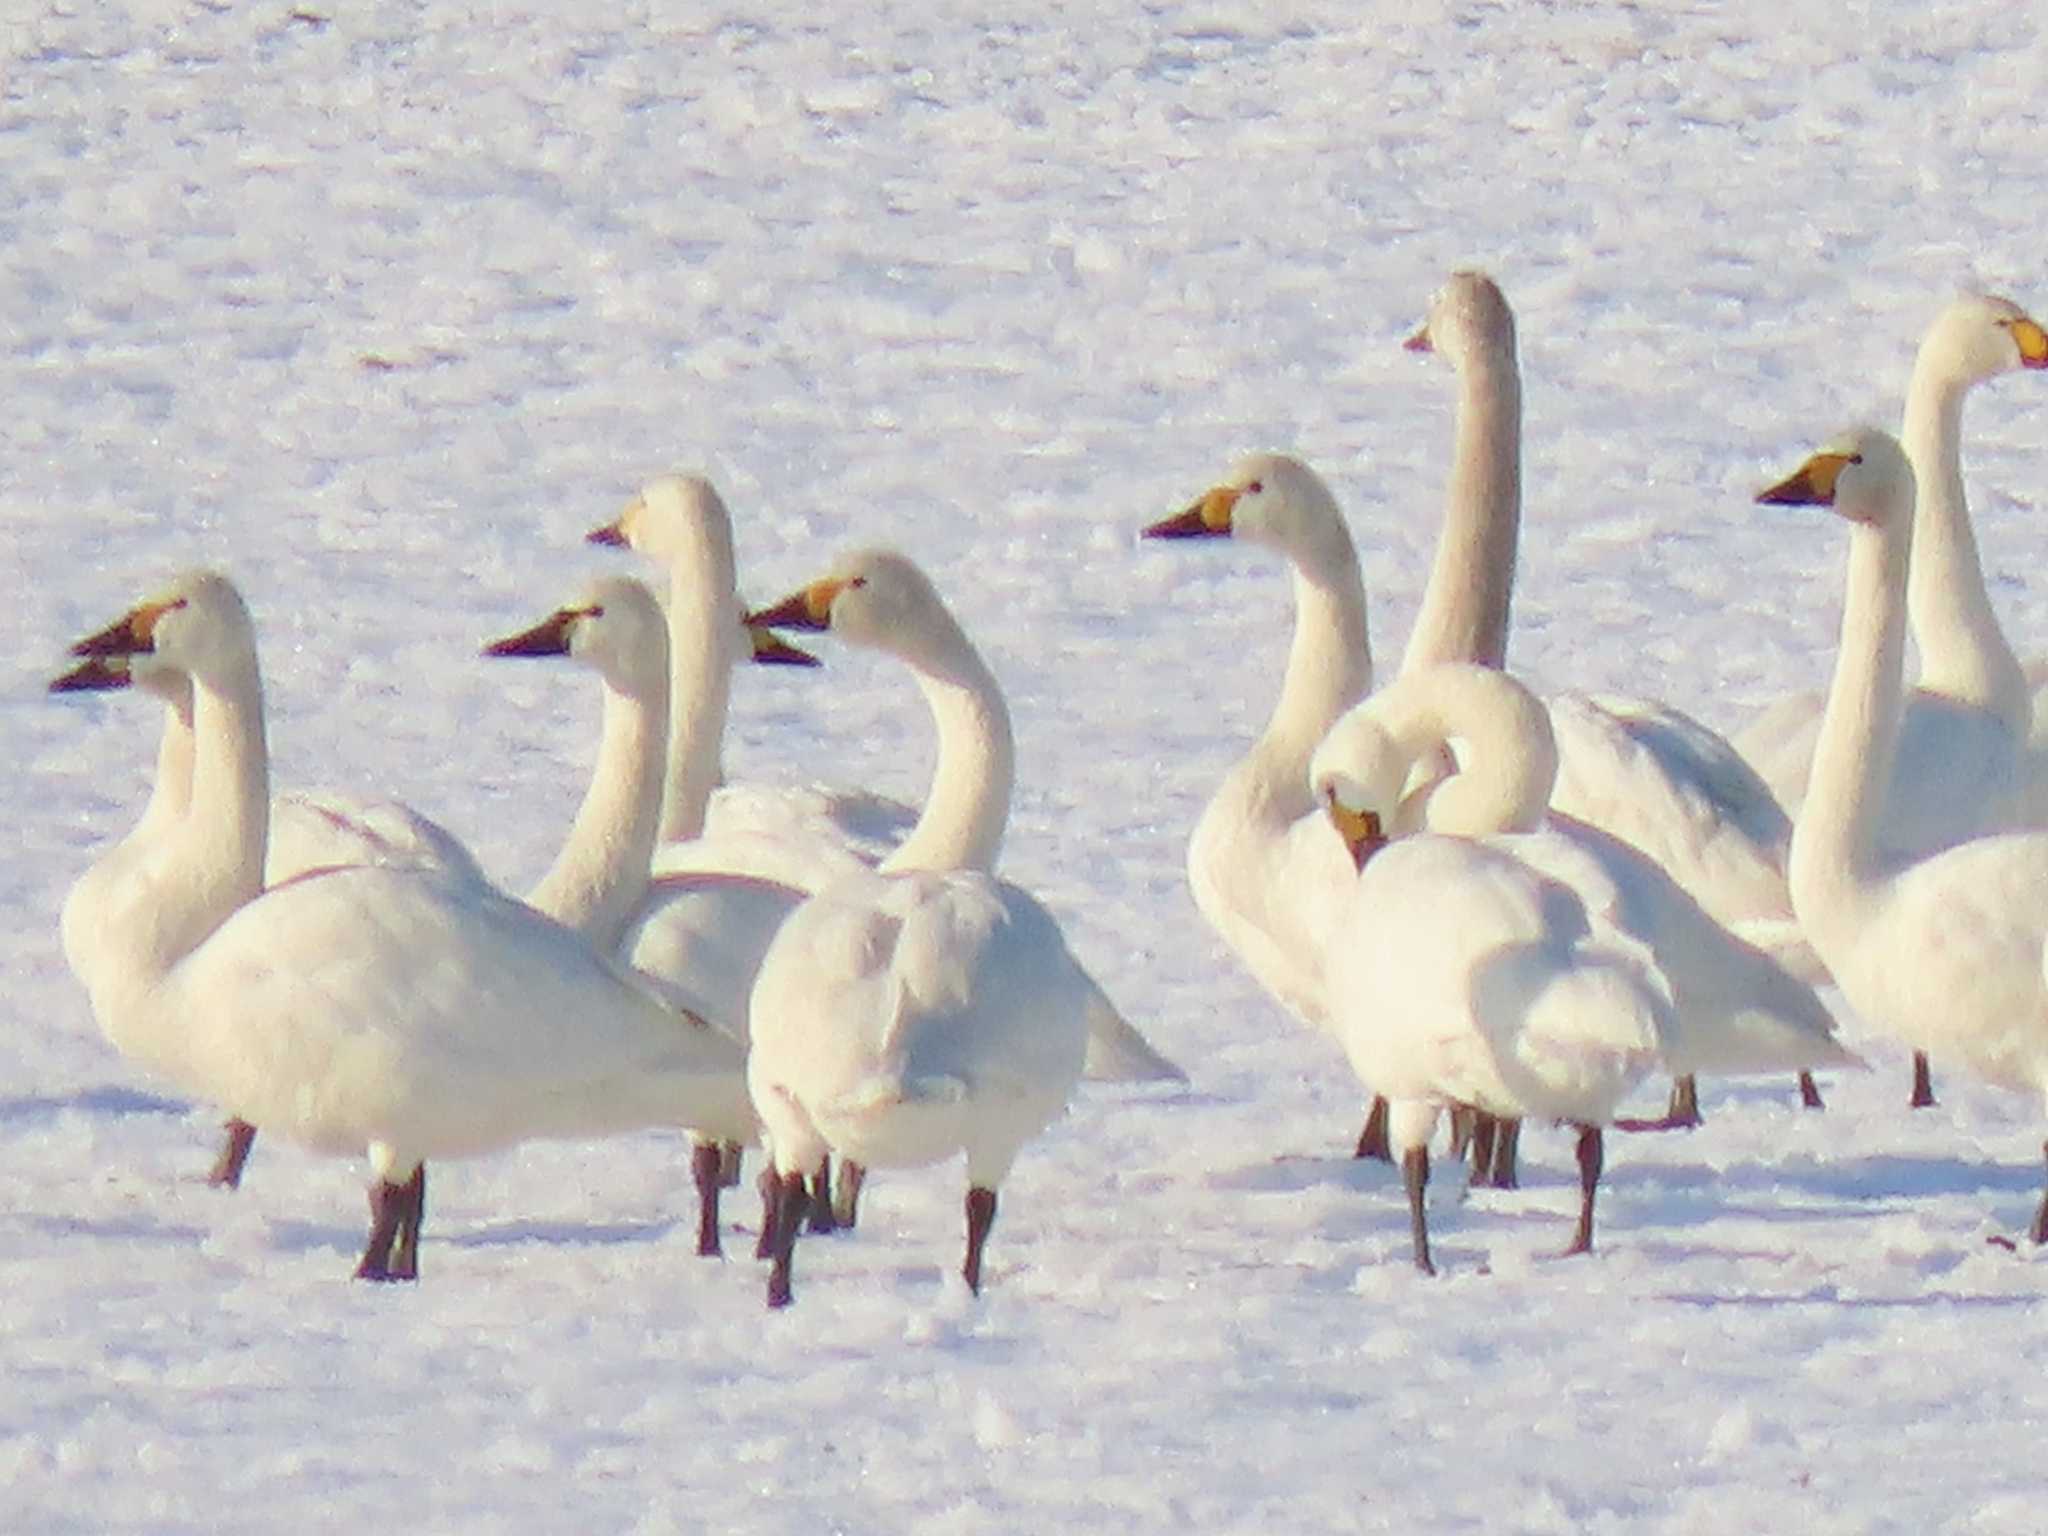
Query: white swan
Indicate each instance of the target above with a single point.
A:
(926, 1008)
(1950, 953)
(309, 829)
(735, 859)
(1455, 971)
(1641, 770)
(396, 1010)
(1262, 867)
(1964, 766)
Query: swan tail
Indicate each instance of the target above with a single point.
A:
(1118, 1053)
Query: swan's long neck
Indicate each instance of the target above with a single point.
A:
(599, 877)
(1834, 860)
(1329, 669)
(703, 638)
(213, 860)
(1464, 614)
(968, 805)
(1506, 754)
(1963, 652)
(171, 797)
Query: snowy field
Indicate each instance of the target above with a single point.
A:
(381, 305)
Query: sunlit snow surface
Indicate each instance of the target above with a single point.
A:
(382, 305)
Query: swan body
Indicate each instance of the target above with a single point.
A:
(1958, 767)
(906, 1013)
(1948, 953)
(1499, 956)
(733, 860)
(405, 1012)
(1263, 870)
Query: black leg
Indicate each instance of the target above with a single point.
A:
(1809, 1092)
(1415, 1179)
(1372, 1141)
(789, 1205)
(1682, 1114)
(1485, 1128)
(981, 1215)
(822, 1220)
(2039, 1233)
(707, 1171)
(1462, 1120)
(234, 1152)
(1591, 1153)
(731, 1154)
(770, 1185)
(388, 1204)
(846, 1199)
(1506, 1140)
(405, 1250)
(1923, 1082)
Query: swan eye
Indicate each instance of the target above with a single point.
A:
(858, 582)
(1855, 458)
(1255, 487)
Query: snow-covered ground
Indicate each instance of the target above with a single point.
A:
(382, 305)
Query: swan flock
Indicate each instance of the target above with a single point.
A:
(1500, 904)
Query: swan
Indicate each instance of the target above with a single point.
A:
(1948, 953)
(733, 860)
(1262, 867)
(926, 1007)
(397, 1010)
(309, 829)
(1963, 733)
(1519, 961)
(1642, 770)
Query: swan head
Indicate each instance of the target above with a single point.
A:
(872, 597)
(613, 626)
(1863, 475)
(1980, 336)
(1468, 320)
(195, 627)
(671, 518)
(1270, 499)
(1357, 776)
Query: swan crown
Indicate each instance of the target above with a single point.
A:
(613, 625)
(1468, 318)
(1267, 498)
(1981, 335)
(668, 516)
(1862, 475)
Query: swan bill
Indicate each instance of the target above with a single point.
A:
(612, 535)
(550, 637)
(2032, 342)
(1810, 485)
(1208, 518)
(1419, 342)
(809, 609)
(95, 674)
(770, 650)
(133, 634)
(1361, 830)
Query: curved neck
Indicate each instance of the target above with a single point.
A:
(968, 804)
(171, 796)
(601, 873)
(1834, 857)
(1501, 740)
(1963, 652)
(703, 644)
(1464, 613)
(1329, 669)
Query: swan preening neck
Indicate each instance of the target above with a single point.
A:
(1963, 652)
(880, 599)
(680, 522)
(1498, 732)
(599, 877)
(1865, 477)
(1273, 500)
(1465, 608)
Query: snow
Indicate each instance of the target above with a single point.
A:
(381, 306)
